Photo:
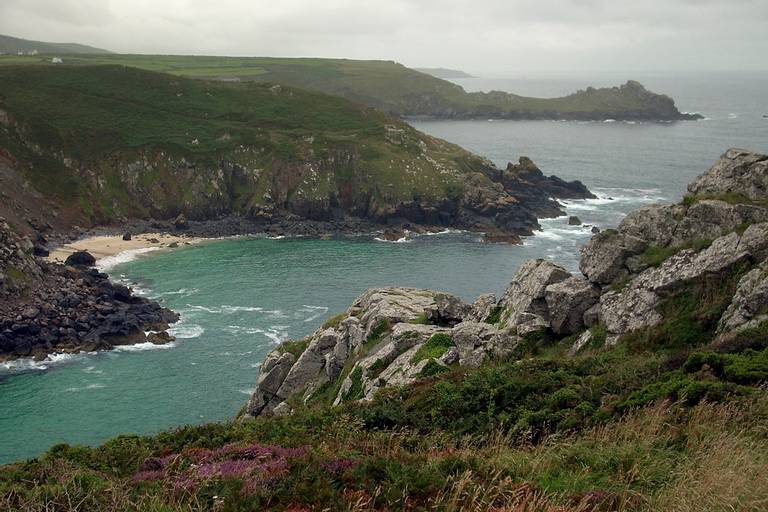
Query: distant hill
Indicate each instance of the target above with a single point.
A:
(14, 45)
(396, 89)
(444, 73)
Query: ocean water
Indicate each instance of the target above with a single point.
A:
(238, 298)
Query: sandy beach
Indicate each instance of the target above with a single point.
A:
(102, 247)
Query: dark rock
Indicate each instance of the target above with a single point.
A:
(127, 236)
(595, 229)
(81, 258)
(574, 221)
(40, 251)
(180, 222)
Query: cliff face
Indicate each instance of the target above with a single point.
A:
(96, 145)
(687, 274)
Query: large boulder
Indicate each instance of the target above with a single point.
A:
(567, 301)
(523, 305)
(738, 171)
(604, 257)
(477, 341)
(81, 258)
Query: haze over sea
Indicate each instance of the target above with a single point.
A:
(238, 298)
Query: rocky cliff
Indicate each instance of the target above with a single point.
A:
(97, 145)
(687, 274)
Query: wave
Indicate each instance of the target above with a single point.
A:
(142, 347)
(183, 331)
(110, 262)
(29, 364)
(84, 388)
(317, 312)
(237, 309)
(184, 292)
(403, 240)
(276, 333)
(248, 391)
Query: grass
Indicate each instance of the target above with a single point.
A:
(385, 85)
(295, 347)
(655, 255)
(334, 321)
(437, 345)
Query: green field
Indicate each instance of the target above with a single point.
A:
(392, 87)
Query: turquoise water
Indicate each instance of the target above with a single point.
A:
(239, 297)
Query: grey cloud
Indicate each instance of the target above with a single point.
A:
(475, 35)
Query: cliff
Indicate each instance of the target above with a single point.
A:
(694, 272)
(97, 145)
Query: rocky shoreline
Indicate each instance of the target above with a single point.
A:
(696, 268)
(50, 308)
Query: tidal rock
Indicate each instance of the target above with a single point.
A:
(81, 258)
(573, 220)
(127, 236)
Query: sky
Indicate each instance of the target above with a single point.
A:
(481, 36)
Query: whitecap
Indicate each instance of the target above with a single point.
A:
(248, 391)
(109, 262)
(203, 308)
(184, 331)
(403, 240)
(141, 347)
(609, 120)
(92, 370)
(89, 386)
(184, 292)
(276, 237)
(237, 309)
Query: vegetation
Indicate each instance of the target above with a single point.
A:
(669, 419)
(655, 255)
(157, 142)
(436, 346)
(388, 86)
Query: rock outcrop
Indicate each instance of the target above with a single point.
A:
(393, 336)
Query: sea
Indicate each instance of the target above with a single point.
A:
(240, 297)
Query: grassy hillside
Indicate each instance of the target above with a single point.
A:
(120, 141)
(398, 90)
(13, 45)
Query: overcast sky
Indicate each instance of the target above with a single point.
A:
(485, 36)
